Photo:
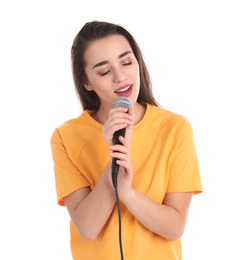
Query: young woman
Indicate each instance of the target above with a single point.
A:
(158, 165)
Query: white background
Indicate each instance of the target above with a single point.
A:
(191, 50)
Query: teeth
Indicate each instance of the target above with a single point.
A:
(123, 90)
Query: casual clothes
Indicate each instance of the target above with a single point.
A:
(164, 160)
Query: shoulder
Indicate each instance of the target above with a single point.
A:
(174, 129)
(163, 118)
(171, 127)
(80, 129)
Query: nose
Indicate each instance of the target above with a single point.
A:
(119, 75)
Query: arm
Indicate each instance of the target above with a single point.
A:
(89, 210)
(167, 219)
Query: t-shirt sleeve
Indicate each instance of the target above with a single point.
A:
(184, 166)
(68, 178)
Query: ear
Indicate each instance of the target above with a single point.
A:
(87, 87)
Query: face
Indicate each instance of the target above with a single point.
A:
(112, 70)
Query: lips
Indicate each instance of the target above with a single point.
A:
(124, 91)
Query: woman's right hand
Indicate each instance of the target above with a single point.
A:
(118, 118)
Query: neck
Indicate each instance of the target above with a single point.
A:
(139, 112)
(100, 116)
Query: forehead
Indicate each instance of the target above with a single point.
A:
(108, 48)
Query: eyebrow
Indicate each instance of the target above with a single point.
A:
(106, 61)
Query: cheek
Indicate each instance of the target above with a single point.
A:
(98, 83)
(136, 71)
(138, 76)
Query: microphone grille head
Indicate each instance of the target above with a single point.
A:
(122, 102)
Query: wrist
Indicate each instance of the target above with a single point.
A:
(128, 196)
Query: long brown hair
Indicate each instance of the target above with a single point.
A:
(93, 31)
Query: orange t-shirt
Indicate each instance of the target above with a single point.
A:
(164, 160)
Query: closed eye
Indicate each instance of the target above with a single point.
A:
(124, 64)
(105, 73)
(127, 63)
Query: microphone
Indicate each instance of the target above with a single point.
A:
(119, 102)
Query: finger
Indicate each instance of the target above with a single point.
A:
(119, 148)
(119, 155)
(119, 109)
(123, 141)
(120, 113)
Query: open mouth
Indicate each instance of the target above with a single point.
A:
(123, 90)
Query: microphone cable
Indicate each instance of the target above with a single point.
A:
(126, 103)
(120, 222)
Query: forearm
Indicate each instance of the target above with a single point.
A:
(163, 220)
(93, 211)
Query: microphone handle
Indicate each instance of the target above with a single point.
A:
(118, 133)
(115, 166)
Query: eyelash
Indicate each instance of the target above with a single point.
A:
(125, 64)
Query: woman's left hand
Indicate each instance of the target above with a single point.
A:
(125, 174)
